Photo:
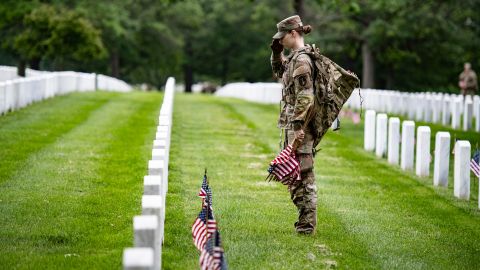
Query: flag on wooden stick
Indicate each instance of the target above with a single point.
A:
(212, 256)
(474, 163)
(285, 168)
(206, 236)
(203, 227)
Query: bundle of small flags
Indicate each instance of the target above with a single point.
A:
(474, 163)
(285, 168)
(205, 233)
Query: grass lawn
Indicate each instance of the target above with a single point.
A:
(371, 215)
(71, 179)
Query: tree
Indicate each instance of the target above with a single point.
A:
(12, 14)
(58, 34)
(400, 41)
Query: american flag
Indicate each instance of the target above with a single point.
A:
(201, 231)
(212, 257)
(205, 192)
(474, 163)
(285, 168)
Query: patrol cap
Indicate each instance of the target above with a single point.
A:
(286, 25)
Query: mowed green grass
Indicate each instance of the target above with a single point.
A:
(371, 215)
(71, 179)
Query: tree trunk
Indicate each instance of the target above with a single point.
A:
(390, 79)
(224, 69)
(299, 8)
(115, 63)
(59, 65)
(368, 76)
(188, 70)
(22, 65)
(35, 64)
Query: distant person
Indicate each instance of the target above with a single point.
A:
(468, 81)
(296, 72)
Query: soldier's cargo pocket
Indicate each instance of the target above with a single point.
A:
(306, 162)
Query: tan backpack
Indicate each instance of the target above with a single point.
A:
(333, 85)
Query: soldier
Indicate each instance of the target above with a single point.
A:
(296, 73)
(468, 81)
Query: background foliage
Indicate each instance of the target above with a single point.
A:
(409, 45)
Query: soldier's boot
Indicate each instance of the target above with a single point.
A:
(307, 220)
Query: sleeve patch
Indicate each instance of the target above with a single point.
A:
(303, 81)
(301, 70)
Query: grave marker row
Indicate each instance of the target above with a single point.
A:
(376, 140)
(149, 226)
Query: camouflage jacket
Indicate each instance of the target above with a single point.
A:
(296, 71)
(470, 79)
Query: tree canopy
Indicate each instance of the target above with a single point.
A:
(412, 45)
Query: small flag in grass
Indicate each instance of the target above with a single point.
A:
(201, 229)
(474, 163)
(212, 256)
(205, 192)
(205, 233)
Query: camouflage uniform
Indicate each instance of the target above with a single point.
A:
(297, 98)
(470, 79)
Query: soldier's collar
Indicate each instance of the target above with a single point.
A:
(301, 49)
(295, 52)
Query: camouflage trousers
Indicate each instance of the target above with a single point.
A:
(304, 192)
(304, 195)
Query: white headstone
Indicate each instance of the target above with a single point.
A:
(461, 180)
(159, 154)
(335, 124)
(419, 107)
(393, 140)
(442, 159)
(156, 167)
(436, 109)
(477, 116)
(162, 135)
(369, 139)
(411, 105)
(446, 111)
(164, 120)
(467, 115)
(159, 144)
(138, 259)
(155, 205)
(423, 151)
(162, 128)
(381, 135)
(456, 113)
(152, 185)
(427, 108)
(146, 234)
(407, 145)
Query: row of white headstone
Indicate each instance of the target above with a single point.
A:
(435, 108)
(387, 141)
(269, 93)
(21, 92)
(10, 73)
(148, 227)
